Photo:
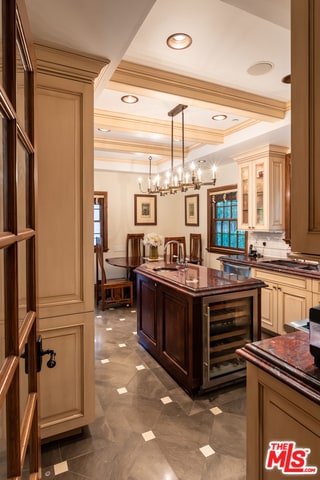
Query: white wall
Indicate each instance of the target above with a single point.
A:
(122, 187)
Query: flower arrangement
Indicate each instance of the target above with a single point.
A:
(153, 239)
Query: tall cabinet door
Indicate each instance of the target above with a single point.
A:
(305, 95)
(66, 317)
(261, 188)
(253, 213)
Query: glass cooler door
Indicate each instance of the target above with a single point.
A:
(228, 325)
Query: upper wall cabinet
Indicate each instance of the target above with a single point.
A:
(305, 120)
(261, 189)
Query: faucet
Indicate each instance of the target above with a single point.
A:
(181, 261)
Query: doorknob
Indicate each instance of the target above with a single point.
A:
(51, 363)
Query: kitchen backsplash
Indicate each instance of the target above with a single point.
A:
(269, 244)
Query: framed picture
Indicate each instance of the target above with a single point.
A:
(192, 209)
(145, 210)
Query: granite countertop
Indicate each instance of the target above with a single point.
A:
(197, 280)
(264, 263)
(287, 357)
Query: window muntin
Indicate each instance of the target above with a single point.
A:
(223, 235)
(100, 218)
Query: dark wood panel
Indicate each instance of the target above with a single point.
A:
(147, 323)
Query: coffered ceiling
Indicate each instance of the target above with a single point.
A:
(211, 77)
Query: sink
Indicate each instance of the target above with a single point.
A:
(165, 269)
(293, 264)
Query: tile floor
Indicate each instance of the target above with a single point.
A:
(147, 427)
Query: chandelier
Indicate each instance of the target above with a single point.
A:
(179, 180)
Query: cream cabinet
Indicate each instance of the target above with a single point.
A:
(315, 293)
(305, 119)
(64, 124)
(261, 189)
(285, 299)
(277, 412)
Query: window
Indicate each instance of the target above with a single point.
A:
(223, 233)
(100, 218)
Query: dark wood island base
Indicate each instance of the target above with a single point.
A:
(192, 321)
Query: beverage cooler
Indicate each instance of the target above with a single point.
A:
(230, 321)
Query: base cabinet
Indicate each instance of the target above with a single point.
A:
(71, 337)
(194, 337)
(285, 299)
(278, 413)
(169, 327)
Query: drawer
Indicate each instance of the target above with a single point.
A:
(290, 280)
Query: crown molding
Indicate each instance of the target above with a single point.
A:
(191, 91)
(65, 64)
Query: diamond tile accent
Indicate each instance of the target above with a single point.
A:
(140, 367)
(60, 468)
(98, 316)
(122, 345)
(122, 390)
(122, 319)
(109, 329)
(148, 436)
(166, 400)
(207, 451)
(215, 410)
(105, 360)
(134, 333)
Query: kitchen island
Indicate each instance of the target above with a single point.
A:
(283, 406)
(192, 320)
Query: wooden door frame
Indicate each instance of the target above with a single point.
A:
(18, 242)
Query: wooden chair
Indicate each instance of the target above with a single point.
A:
(195, 248)
(112, 291)
(172, 251)
(135, 246)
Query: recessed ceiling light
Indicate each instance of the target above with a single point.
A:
(179, 41)
(219, 117)
(129, 99)
(286, 79)
(260, 68)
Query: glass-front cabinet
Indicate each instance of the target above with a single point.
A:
(261, 188)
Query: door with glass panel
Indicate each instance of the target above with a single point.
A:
(19, 438)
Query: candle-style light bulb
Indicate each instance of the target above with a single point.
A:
(214, 174)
